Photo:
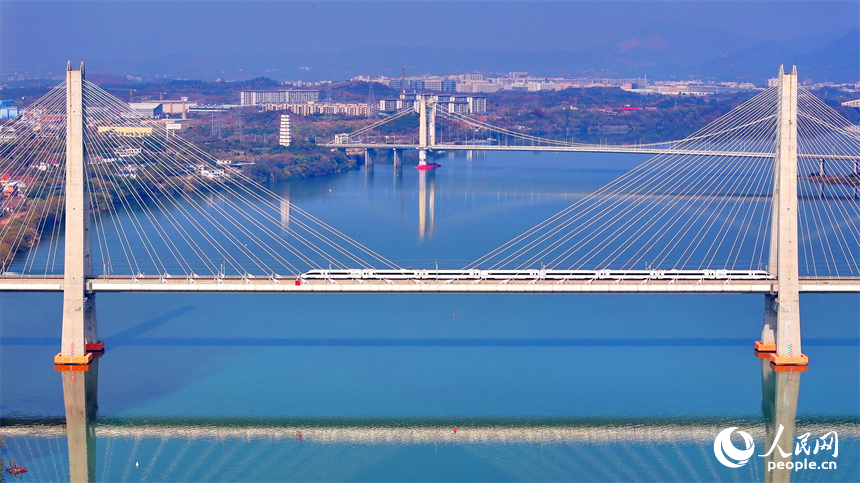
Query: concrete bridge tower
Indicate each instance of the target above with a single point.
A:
(781, 333)
(426, 107)
(80, 335)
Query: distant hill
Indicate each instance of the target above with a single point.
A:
(658, 50)
(754, 64)
(837, 61)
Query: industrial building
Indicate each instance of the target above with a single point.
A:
(7, 110)
(147, 109)
(181, 106)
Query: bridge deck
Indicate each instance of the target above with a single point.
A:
(595, 148)
(464, 285)
(648, 432)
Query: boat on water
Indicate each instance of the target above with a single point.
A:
(15, 469)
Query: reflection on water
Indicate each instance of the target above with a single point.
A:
(191, 449)
(615, 449)
(779, 391)
(285, 209)
(80, 394)
(468, 186)
(426, 203)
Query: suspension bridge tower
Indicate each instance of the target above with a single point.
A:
(80, 336)
(781, 332)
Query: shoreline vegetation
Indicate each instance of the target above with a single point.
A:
(249, 137)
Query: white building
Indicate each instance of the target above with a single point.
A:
(540, 86)
(311, 108)
(213, 173)
(472, 77)
(464, 104)
(253, 98)
(285, 135)
(476, 87)
(459, 103)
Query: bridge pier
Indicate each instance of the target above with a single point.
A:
(80, 334)
(768, 333)
(395, 155)
(368, 157)
(783, 337)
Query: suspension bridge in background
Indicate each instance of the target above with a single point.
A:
(442, 127)
(762, 200)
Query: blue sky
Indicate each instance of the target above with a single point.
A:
(41, 33)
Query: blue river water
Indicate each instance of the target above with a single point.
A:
(257, 387)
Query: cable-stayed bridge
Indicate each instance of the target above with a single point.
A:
(762, 200)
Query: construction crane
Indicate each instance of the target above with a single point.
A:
(160, 94)
(130, 91)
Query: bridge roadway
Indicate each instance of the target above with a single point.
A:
(642, 432)
(450, 281)
(587, 148)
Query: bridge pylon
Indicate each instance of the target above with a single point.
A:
(80, 335)
(781, 332)
(426, 107)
